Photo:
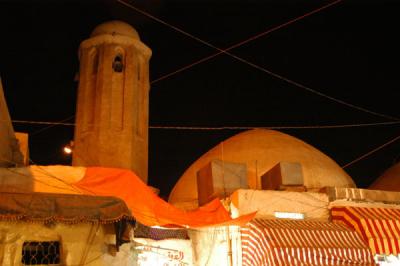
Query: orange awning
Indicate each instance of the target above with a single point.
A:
(289, 242)
(379, 227)
(146, 206)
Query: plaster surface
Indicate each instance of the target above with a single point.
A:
(112, 108)
(261, 150)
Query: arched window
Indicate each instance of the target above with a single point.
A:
(118, 65)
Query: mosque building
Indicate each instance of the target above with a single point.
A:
(261, 197)
(292, 186)
(260, 150)
(389, 180)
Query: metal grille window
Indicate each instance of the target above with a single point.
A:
(37, 253)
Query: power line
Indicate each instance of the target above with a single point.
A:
(44, 122)
(14, 171)
(45, 172)
(225, 51)
(371, 152)
(230, 127)
(276, 127)
(263, 69)
(222, 51)
(317, 92)
(51, 125)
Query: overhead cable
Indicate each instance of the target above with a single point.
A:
(225, 51)
(371, 152)
(44, 122)
(221, 51)
(47, 173)
(230, 127)
(51, 125)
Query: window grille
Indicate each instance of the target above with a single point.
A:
(37, 253)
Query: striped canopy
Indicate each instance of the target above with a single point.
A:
(379, 227)
(289, 242)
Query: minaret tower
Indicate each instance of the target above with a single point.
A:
(10, 155)
(112, 113)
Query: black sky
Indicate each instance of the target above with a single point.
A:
(349, 51)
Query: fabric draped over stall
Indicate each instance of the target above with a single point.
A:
(146, 206)
(288, 242)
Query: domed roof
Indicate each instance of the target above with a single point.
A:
(261, 150)
(115, 27)
(389, 180)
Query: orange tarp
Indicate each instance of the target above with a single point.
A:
(146, 206)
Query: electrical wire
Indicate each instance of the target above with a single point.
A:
(231, 127)
(225, 51)
(306, 88)
(263, 69)
(371, 152)
(4, 160)
(44, 122)
(50, 126)
(45, 172)
(277, 127)
(38, 180)
(221, 51)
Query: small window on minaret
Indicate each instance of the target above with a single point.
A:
(117, 64)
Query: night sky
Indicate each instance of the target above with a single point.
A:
(348, 51)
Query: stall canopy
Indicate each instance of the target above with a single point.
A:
(288, 242)
(146, 206)
(69, 209)
(379, 227)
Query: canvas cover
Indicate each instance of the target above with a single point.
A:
(70, 209)
(146, 206)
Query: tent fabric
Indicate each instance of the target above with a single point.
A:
(379, 227)
(69, 209)
(289, 242)
(146, 206)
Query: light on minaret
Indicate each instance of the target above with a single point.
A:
(112, 109)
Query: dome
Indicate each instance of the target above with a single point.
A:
(261, 150)
(389, 180)
(115, 27)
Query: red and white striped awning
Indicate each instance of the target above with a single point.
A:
(289, 242)
(379, 227)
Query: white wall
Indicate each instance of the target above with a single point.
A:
(313, 205)
(80, 243)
